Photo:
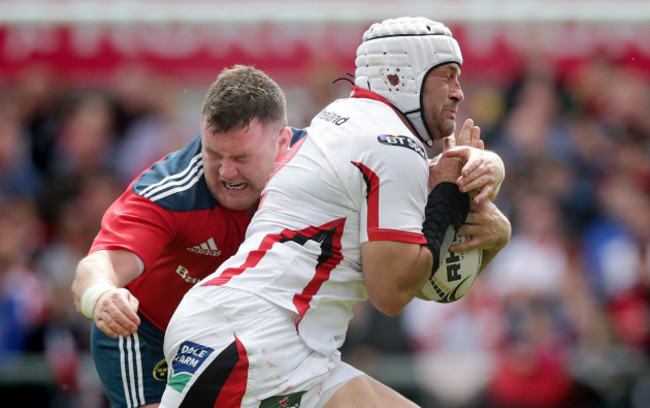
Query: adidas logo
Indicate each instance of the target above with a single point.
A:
(206, 248)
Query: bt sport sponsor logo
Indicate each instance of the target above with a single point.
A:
(402, 141)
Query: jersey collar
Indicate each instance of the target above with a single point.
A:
(364, 93)
(358, 92)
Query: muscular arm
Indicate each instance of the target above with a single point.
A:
(115, 312)
(394, 273)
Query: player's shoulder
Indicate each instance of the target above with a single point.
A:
(383, 129)
(176, 181)
(366, 127)
(357, 116)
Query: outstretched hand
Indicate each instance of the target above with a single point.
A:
(469, 135)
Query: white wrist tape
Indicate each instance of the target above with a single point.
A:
(91, 294)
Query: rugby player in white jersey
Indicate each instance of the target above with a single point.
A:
(353, 211)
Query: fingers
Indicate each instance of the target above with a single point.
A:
(480, 174)
(471, 169)
(484, 194)
(472, 243)
(470, 135)
(461, 152)
(134, 303)
(465, 135)
(449, 142)
(482, 171)
(482, 186)
(475, 138)
(445, 170)
(116, 324)
(116, 313)
(113, 326)
(111, 329)
(487, 226)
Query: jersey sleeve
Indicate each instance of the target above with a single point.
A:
(395, 171)
(135, 224)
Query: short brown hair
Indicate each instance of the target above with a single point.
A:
(241, 94)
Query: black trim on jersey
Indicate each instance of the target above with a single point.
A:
(323, 237)
(207, 387)
(365, 179)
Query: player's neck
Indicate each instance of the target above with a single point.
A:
(253, 208)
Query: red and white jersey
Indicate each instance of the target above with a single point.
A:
(359, 175)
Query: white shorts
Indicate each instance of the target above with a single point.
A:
(244, 352)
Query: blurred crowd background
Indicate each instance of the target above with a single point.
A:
(561, 319)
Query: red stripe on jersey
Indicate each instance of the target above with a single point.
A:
(327, 261)
(372, 187)
(283, 159)
(383, 234)
(254, 257)
(364, 93)
(329, 236)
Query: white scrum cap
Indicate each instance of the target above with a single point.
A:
(395, 57)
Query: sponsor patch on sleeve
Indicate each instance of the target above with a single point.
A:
(189, 358)
(402, 141)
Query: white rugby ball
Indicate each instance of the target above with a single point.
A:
(455, 276)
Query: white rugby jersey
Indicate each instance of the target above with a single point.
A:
(359, 175)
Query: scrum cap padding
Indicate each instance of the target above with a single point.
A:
(396, 56)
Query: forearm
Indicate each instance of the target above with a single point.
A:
(410, 276)
(96, 267)
(117, 267)
(489, 255)
(394, 273)
(495, 232)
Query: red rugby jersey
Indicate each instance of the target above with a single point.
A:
(169, 218)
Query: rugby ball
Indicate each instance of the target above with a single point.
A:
(455, 276)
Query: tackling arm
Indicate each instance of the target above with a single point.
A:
(99, 294)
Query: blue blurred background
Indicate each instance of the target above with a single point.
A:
(91, 93)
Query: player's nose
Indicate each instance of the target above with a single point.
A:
(228, 169)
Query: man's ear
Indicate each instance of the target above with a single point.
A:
(284, 139)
